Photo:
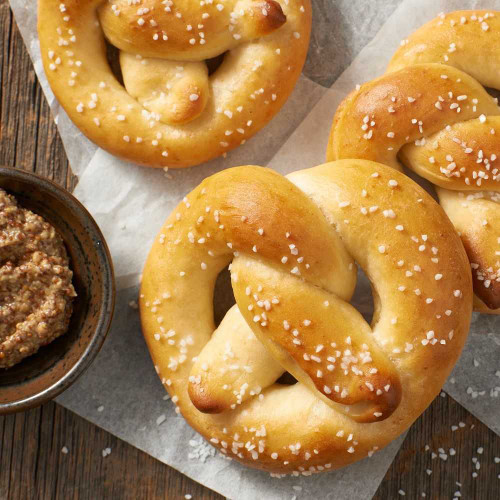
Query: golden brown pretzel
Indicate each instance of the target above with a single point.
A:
(440, 122)
(170, 111)
(293, 243)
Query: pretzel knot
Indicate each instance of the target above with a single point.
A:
(429, 113)
(170, 111)
(293, 243)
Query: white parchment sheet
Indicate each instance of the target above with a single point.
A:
(120, 392)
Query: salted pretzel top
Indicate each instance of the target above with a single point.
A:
(155, 29)
(413, 106)
(440, 122)
(469, 40)
(293, 243)
(170, 111)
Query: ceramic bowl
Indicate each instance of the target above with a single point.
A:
(42, 376)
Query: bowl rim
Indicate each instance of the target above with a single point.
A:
(108, 304)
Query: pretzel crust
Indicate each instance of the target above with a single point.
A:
(160, 122)
(468, 40)
(320, 219)
(429, 113)
(396, 109)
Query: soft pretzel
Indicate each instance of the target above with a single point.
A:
(170, 110)
(293, 243)
(439, 121)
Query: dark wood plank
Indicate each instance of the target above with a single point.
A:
(434, 429)
(31, 462)
(29, 137)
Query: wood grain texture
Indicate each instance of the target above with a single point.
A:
(29, 137)
(31, 462)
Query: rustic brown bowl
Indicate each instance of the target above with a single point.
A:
(41, 377)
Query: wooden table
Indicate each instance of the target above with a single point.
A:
(31, 462)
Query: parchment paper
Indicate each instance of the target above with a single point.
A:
(121, 392)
